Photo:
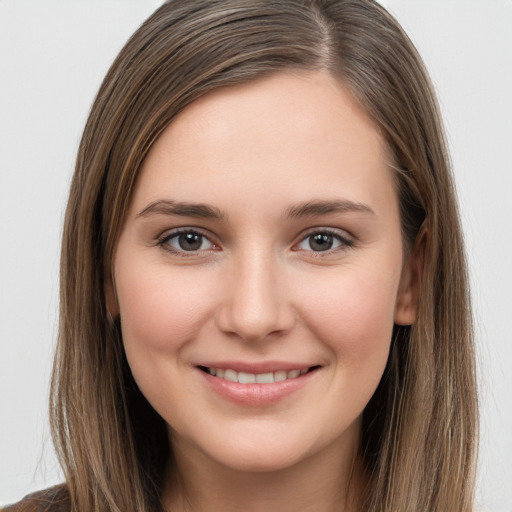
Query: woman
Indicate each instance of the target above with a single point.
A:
(264, 299)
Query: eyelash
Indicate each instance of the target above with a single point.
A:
(163, 242)
(344, 242)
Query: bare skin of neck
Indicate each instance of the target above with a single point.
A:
(323, 482)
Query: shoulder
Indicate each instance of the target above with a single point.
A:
(54, 499)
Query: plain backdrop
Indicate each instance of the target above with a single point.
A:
(53, 55)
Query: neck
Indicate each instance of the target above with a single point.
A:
(321, 483)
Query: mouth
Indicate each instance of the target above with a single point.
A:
(257, 385)
(231, 375)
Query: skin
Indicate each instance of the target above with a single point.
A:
(258, 290)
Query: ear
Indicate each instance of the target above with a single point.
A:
(406, 307)
(111, 297)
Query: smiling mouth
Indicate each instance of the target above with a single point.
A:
(257, 378)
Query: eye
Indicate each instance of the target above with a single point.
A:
(186, 241)
(323, 241)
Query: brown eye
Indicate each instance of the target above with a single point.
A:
(320, 242)
(186, 241)
(190, 241)
(323, 241)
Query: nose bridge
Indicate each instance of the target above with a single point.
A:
(255, 305)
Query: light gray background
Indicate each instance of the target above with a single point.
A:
(53, 55)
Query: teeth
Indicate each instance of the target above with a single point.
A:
(231, 375)
(260, 378)
(246, 378)
(265, 378)
(279, 376)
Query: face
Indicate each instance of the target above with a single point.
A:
(260, 271)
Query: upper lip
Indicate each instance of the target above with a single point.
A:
(260, 367)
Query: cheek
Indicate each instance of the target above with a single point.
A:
(161, 311)
(353, 314)
(159, 308)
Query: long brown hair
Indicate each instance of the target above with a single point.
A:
(419, 429)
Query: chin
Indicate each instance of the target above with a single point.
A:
(270, 446)
(260, 459)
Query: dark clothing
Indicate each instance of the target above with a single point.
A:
(54, 499)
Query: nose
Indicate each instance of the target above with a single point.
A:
(255, 305)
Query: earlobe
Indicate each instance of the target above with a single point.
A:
(406, 308)
(111, 298)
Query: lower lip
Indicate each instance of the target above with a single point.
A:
(255, 395)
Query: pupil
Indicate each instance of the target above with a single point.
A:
(190, 241)
(320, 242)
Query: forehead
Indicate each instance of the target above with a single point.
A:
(296, 134)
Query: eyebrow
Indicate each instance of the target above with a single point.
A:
(169, 207)
(323, 207)
(200, 210)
